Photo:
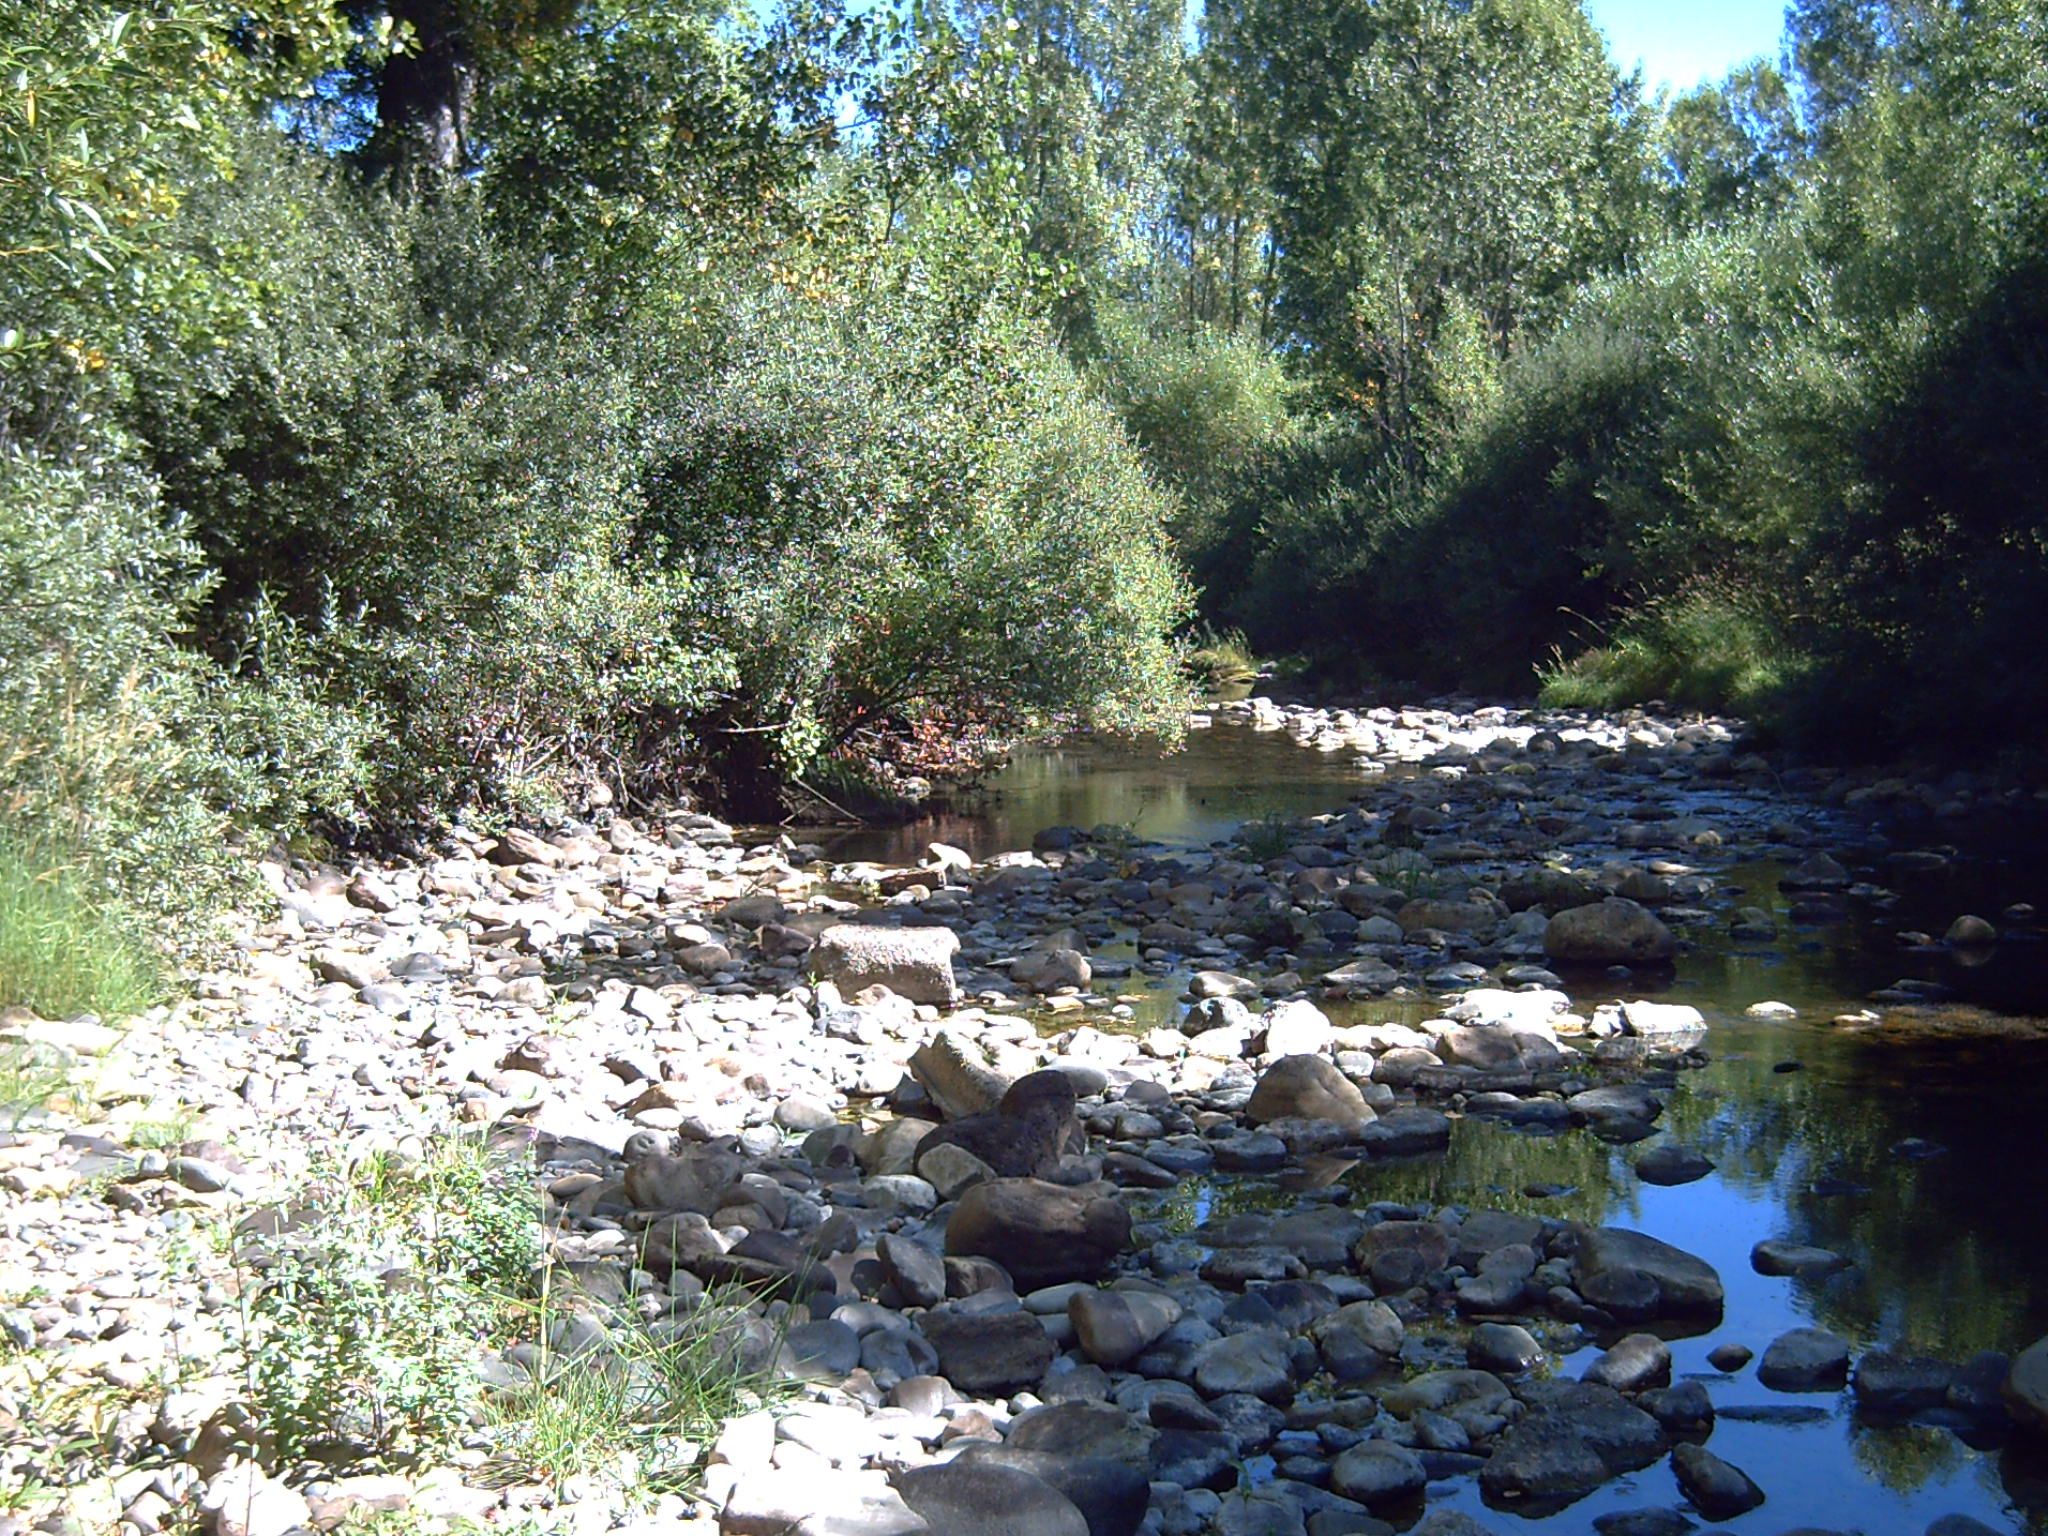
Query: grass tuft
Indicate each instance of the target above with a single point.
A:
(1222, 662)
(65, 949)
(1703, 649)
(639, 1405)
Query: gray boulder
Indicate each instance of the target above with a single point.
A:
(1718, 1491)
(1611, 932)
(1048, 970)
(1377, 1473)
(1111, 1496)
(1805, 1360)
(1114, 1326)
(956, 1072)
(1043, 1234)
(1576, 1438)
(1031, 1128)
(916, 963)
(1307, 1088)
(1634, 1364)
(990, 1499)
(1638, 1277)
(1778, 1256)
(982, 1352)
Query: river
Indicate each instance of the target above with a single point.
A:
(1920, 1160)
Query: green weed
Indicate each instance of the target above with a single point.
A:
(64, 948)
(1222, 661)
(640, 1404)
(1266, 837)
(28, 1081)
(1699, 651)
(370, 1316)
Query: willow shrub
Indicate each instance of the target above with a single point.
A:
(127, 759)
(895, 503)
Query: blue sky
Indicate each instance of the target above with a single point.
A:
(1679, 43)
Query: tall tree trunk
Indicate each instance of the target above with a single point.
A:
(426, 99)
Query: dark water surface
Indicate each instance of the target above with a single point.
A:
(1948, 1233)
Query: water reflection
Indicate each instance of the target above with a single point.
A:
(1921, 1161)
(1224, 777)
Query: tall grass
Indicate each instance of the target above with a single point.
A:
(1222, 661)
(1700, 650)
(66, 948)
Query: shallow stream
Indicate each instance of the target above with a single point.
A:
(1924, 1161)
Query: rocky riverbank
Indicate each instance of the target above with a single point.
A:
(940, 1125)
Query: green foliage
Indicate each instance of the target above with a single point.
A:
(416, 502)
(106, 113)
(902, 503)
(1426, 155)
(1222, 663)
(1731, 151)
(371, 1311)
(120, 749)
(63, 950)
(1267, 837)
(640, 1406)
(1701, 648)
(29, 1079)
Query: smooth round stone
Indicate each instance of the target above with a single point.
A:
(1778, 1257)
(1718, 1490)
(1640, 1361)
(1115, 1326)
(1259, 1364)
(1671, 1164)
(1730, 1357)
(1504, 1348)
(1377, 1473)
(1805, 1360)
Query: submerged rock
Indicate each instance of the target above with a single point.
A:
(1611, 932)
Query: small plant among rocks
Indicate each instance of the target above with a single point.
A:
(408, 1307)
(634, 1401)
(1266, 837)
(374, 1303)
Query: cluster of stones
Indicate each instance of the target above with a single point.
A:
(894, 1107)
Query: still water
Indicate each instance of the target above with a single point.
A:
(1924, 1162)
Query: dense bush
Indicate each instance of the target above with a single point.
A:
(125, 757)
(1204, 407)
(1925, 591)
(899, 500)
(753, 522)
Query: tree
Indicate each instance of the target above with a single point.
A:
(107, 116)
(1733, 150)
(1430, 160)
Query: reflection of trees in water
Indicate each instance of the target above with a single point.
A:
(1947, 1248)
(1904, 1457)
(1489, 1166)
